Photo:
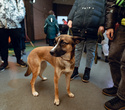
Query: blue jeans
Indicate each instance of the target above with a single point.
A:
(90, 48)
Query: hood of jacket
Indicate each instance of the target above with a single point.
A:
(51, 20)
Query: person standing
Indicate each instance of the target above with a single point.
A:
(64, 28)
(86, 19)
(51, 28)
(12, 12)
(115, 12)
(64, 21)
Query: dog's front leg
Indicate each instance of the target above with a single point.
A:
(68, 85)
(34, 92)
(56, 100)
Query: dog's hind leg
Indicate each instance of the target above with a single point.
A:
(43, 66)
(68, 85)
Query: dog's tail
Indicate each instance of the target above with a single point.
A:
(28, 72)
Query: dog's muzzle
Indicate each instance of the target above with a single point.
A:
(57, 53)
(52, 53)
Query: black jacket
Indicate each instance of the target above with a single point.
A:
(87, 16)
(114, 14)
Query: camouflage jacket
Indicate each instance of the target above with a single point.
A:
(12, 12)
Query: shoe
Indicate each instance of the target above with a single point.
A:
(23, 53)
(75, 73)
(13, 55)
(2, 61)
(98, 57)
(110, 91)
(3, 66)
(115, 104)
(86, 75)
(106, 59)
(21, 63)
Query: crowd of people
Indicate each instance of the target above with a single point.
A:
(87, 22)
(86, 19)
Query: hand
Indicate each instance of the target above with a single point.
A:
(70, 23)
(101, 29)
(110, 33)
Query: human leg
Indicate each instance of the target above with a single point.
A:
(117, 66)
(90, 46)
(51, 42)
(115, 52)
(118, 103)
(121, 88)
(78, 54)
(4, 48)
(23, 46)
(15, 39)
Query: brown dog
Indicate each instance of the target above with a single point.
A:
(61, 57)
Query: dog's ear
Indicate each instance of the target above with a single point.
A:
(77, 39)
(56, 38)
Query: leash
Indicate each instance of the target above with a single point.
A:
(70, 32)
(100, 38)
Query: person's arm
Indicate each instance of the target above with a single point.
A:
(45, 27)
(111, 14)
(102, 20)
(19, 13)
(111, 18)
(71, 14)
(57, 28)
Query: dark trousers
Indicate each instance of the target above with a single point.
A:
(15, 39)
(22, 43)
(117, 61)
(51, 42)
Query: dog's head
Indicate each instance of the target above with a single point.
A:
(64, 44)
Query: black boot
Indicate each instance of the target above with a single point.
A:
(3, 66)
(115, 104)
(112, 91)
(75, 73)
(106, 59)
(86, 75)
(98, 57)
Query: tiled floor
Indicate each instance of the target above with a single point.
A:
(15, 90)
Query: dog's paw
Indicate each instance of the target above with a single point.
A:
(56, 102)
(44, 78)
(71, 95)
(35, 93)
